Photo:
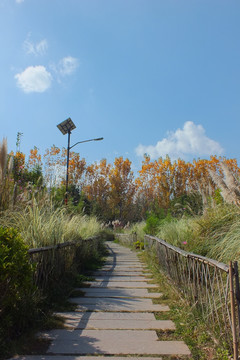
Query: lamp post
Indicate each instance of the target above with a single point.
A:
(66, 127)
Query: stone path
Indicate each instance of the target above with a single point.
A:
(115, 318)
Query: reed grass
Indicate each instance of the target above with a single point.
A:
(6, 186)
(138, 229)
(228, 246)
(178, 232)
(215, 234)
(45, 226)
(228, 182)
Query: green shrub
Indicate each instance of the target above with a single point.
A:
(156, 220)
(139, 245)
(152, 224)
(17, 292)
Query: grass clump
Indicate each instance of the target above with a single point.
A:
(178, 232)
(215, 234)
(138, 229)
(227, 247)
(44, 226)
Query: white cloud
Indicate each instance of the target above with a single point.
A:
(66, 66)
(19, 1)
(189, 141)
(39, 48)
(34, 79)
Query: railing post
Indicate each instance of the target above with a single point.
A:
(134, 238)
(233, 315)
(237, 293)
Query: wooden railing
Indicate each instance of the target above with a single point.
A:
(54, 262)
(210, 286)
(126, 239)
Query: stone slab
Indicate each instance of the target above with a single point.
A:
(120, 278)
(122, 267)
(118, 254)
(117, 342)
(116, 257)
(74, 357)
(121, 307)
(121, 273)
(77, 315)
(112, 301)
(111, 292)
(123, 263)
(123, 260)
(121, 252)
(120, 324)
(121, 284)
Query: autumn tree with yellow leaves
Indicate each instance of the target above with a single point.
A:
(55, 167)
(111, 188)
(97, 187)
(122, 189)
(160, 181)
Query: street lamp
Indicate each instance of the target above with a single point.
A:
(66, 127)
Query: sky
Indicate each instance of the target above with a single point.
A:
(152, 77)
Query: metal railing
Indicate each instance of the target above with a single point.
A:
(53, 262)
(210, 286)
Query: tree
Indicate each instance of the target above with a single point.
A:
(97, 188)
(76, 168)
(123, 188)
(160, 181)
(55, 167)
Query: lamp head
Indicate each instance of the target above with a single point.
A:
(66, 126)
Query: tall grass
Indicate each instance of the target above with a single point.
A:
(43, 225)
(178, 232)
(138, 229)
(216, 234)
(6, 186)
(228, 247)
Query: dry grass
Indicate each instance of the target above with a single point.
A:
(228, 182)
(6, 187)
(3, 158)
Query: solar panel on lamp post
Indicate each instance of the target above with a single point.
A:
(66, 127)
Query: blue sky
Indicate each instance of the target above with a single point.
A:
(150, 76)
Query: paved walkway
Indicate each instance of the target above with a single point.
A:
(114, 318)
